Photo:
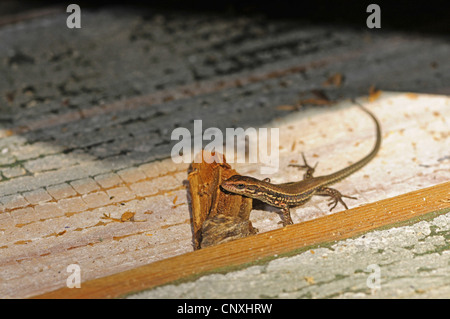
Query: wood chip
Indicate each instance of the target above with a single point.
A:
(335, 79)
(374, 93)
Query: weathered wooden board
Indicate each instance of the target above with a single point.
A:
(388, 212)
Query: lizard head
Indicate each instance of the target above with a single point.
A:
(242, 185)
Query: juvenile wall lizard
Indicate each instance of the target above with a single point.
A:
(294, 194)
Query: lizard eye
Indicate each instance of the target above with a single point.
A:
(240, 186)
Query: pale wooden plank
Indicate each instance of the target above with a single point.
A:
(353, 222)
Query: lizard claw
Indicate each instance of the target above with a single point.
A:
(338, 199)
(335, 197)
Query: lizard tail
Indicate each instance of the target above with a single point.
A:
(343, 173)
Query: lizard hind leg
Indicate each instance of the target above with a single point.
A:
(336, 196)
(309, 169)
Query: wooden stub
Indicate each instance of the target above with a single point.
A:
(217, 216)
(346, 224)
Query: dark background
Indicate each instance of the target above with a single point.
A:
(281, 51)
(412, 16)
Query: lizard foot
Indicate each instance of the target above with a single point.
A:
(336, 197)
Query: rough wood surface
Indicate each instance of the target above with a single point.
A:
(85, 125)
(338, 226)
(413, 155)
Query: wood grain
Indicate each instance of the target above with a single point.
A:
(390, 212)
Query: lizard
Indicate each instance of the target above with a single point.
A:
(293, 194)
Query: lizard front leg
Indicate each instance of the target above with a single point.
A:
(287, 220)
(336, 196)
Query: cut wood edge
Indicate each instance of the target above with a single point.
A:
(407, 208)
